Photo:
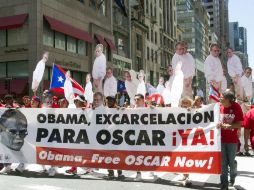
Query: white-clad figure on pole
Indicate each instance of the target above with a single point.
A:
(68, 90)
(177, 85)
(39, 71)
(168, 85)
(188, 69)
(213, 69)
(141, 85)
(160, 87)
(99, 68)
(235, 70)
(246, 82)
(131, 85)
(88, 91)
(110, 84)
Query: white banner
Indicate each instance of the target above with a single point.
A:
(161, 139)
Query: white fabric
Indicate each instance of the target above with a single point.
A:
(160, 88)
(89, 92)
(188, 66)
(141, 89)
(68, 91)
(38, 74)
(131, 86)
(224, 83)
(99, 67)
(247, 86)
(167, 91)
(213, 69)
(234, 66)
(110, 87)
(176, 59)
(177, 86)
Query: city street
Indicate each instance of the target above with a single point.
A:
(33, 180)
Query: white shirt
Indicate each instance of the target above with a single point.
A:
(247, 85)
(89, 92)
(38, 74)
(160, 88)
(213, 69)
(131, 86)
(234, 66)
(141, 89)
(176, 59)
(188, 66)
(99, 67)
(110, 87)
(68, 91)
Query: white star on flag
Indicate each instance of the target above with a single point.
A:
(60, 79)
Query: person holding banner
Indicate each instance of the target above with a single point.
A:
(99, 68)
(160, 88)
(141, 89)
(214, 72)
(231, 117)
(111, 103)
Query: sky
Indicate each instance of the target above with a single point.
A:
(241, 11)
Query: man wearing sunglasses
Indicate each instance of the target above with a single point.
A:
(13, 130)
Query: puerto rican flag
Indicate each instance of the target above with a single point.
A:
(214, 93)
(58, 79)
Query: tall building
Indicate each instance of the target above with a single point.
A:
(243, 40)
(69, 30)
(122, 59)
(218, 11)
(238, 41)
(193, 18)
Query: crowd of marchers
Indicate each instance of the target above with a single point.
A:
(236, 111)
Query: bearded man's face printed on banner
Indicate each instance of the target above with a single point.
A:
(13, 127)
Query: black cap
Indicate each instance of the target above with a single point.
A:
(111, 98)
(8, 97)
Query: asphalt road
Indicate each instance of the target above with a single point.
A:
(33, 179)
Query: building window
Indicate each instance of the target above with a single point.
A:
(48, 36)
(148, 53)
(93, 4)
(2, 70)
(155, 37)
(77, 76)
(82, 47)
(139, 41)
(152, 54)
(2, 38)
(18, 36)
(151, 35)
(147, 7)
(139, 64)
(17, 69)
(60, 41)
(71, 44)
(102, 7)
(147, 35)
(151, 9)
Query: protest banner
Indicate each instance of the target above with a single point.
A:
(142, 139)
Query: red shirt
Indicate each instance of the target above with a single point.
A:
(230, 115)
(248, 123)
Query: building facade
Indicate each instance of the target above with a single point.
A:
(193, 18)
(68, 29)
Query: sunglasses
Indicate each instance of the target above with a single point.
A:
(22, 132)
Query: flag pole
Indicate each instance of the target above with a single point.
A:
(51, 75)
